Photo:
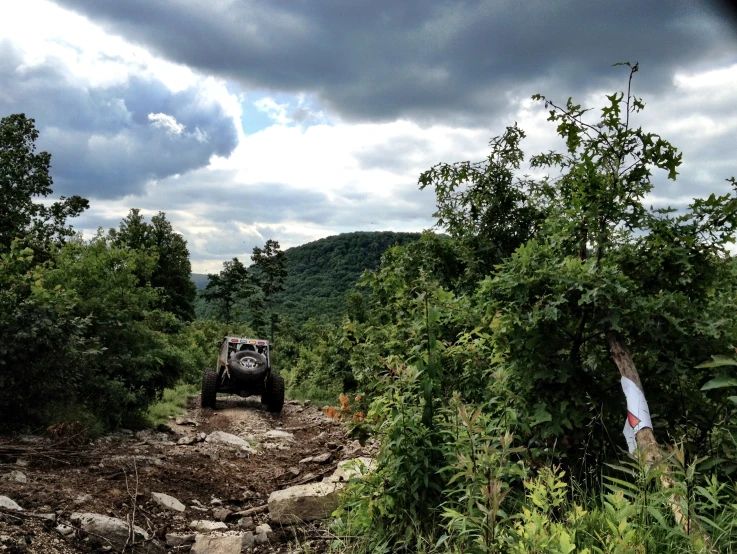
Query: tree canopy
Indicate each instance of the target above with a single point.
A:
(24, 178)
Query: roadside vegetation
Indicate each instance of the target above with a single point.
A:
(487, 357)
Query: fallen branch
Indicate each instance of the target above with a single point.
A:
(251, 511)
(309, 477)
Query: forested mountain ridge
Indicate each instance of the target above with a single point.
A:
(320, 273)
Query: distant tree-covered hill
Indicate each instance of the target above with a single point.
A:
(320, 273)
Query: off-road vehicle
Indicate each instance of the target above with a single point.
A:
(244, 368)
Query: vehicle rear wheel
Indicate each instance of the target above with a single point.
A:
(274, 397)
(209, 389)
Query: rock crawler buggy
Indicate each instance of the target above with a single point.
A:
(244, 368)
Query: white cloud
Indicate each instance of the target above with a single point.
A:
(167, 122)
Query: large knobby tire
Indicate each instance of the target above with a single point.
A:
(209, 389)
(274, 397)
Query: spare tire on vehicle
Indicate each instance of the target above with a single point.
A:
(247, 365)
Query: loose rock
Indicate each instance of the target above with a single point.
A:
(303, 502)
(205, 526)
(348, 469)
(221, 514)
(82, 499)
(245, 523)
(179, 539)
(264, 528)
(227, 544)
(9, 504)
(281, 435)
(226, 438)
(168, 502)
(17, 476)
(115, 531)
(65, 530)
(248, 541)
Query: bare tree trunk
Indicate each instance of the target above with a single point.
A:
(646, 438)
(622, 357)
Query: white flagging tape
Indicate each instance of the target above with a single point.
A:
(638, 414)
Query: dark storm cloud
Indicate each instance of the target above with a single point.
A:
(102, 142)
(430, 60)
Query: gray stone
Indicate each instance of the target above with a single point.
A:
(65, 530)
(245, 523)
(82, 499)
(186, 441)
(322, 458)
(264, 528)
(179, 539)
(225, 544)
(222, 437)
(279, 435)
(248, 541)
(349, 469)
(261, 538)
(221, 514)
(168, 502)
(303, 502)
(17, 476)
(115, 531)
(205, 526)
(9, 504)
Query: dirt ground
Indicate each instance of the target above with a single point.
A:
(105, 476)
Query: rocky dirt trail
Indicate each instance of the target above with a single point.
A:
(204, 484)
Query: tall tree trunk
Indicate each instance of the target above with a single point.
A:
(646, 438)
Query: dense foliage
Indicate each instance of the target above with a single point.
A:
(485, 363)
(91, 329)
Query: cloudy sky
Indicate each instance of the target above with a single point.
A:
(246, 120)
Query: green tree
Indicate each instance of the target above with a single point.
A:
(268, 273)
(25, 177)
(173, 268)
(139, 359)
(44, 341)
(228, 288)
(605, 275)
(484, 206)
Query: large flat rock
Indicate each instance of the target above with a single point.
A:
(224, 544)
(303, 502)
(226, 438)
(115, 532)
